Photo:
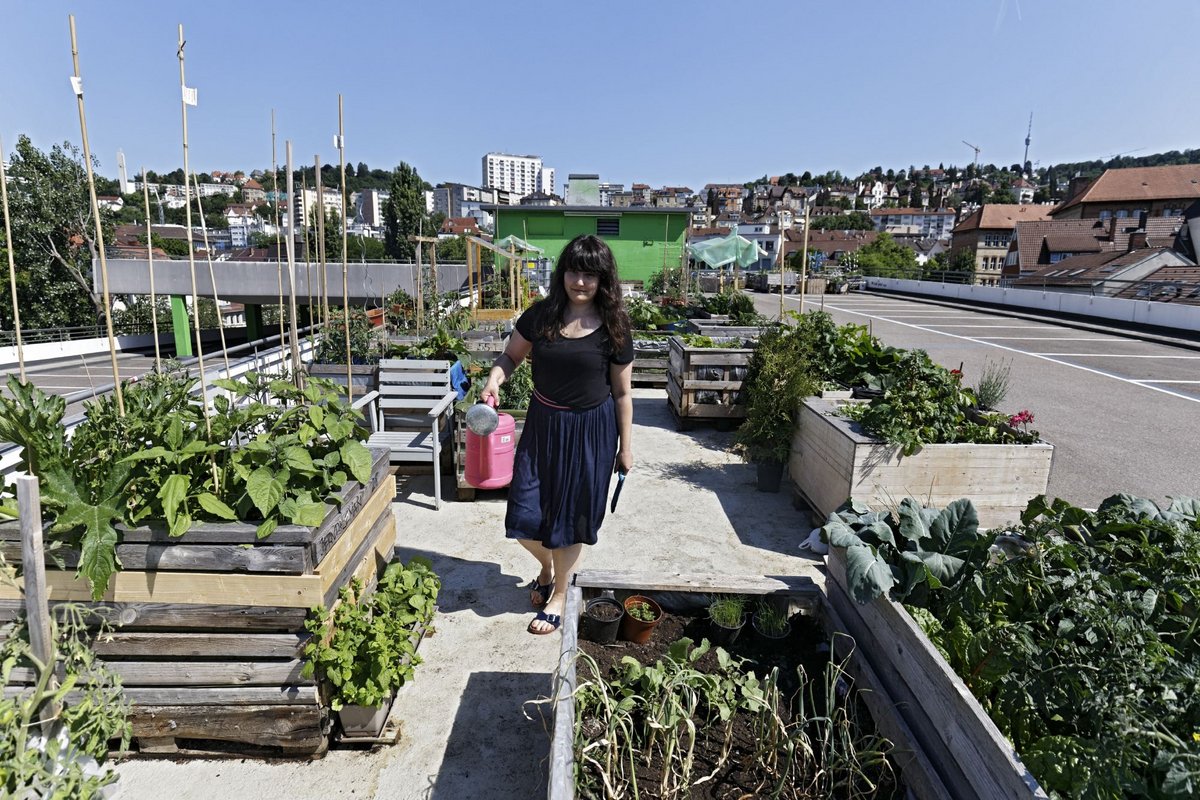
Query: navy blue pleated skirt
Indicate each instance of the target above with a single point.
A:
(561, 474)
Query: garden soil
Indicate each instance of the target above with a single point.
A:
(472, 723)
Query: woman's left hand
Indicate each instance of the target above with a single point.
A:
(624, 461)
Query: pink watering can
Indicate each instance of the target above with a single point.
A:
(491, 446)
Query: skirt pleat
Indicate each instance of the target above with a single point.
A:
(561, 474)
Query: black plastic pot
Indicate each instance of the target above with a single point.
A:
(723, 636)
(769, 636)
(594, 624)
(770, 475)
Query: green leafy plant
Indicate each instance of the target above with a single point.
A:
(1080, 641)
(641, 611)
(780, 375)
(908, 553)
(770, 621)
(92, 713)
(367, 649)
(331, 343)
(728, 611)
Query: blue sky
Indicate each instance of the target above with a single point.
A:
(656, 91)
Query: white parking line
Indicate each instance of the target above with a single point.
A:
(1117, 355)
(1046, 338)
(1043, 356)
(1168, 381)
(1006, 327)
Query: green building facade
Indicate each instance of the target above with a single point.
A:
(643, 240)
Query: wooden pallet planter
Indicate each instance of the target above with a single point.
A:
(972, 758)
(705, 383)
(832, 460)
(798, 592)
(209, 634)
(366, 376)
(465, 492)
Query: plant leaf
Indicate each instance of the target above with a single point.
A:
(267, 527)
(868, 575)
(173, 493)
(357, 459)
(839, 534)
(310, 514)
(264, 489)
(912, 521)
(298, 458)
(956, 523)
(213, 505)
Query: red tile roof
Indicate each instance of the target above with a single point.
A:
(1002, 216)
(1140, 184)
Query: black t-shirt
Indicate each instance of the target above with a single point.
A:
(571, 372)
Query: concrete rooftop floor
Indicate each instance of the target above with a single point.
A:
(689, 506)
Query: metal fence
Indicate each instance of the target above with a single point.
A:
(1163, 291)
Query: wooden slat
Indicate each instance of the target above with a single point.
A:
(364, 560)
(411, 390)
(168, 615)
(200, 645)
(415, 364)
(209, 588)
(562, 745)
(198, 558)
(387, 378)
(245, 695)
(944, 716)
(661, 581)
(289, 726)
(194, 673)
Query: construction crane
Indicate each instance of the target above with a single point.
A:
(1124, 153)
(976, 149)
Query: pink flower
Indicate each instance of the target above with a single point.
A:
(1021, 418)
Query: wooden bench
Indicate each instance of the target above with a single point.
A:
(414, 413)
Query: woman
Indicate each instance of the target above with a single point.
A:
(579, 422)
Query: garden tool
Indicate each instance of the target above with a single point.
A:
(617, 493)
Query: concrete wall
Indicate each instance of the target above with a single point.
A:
(258, 281)
(53, 351)
(1118, 309)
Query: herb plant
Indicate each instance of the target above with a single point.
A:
(770, 621)
(728, 611)
(781, 373)
(331, 342)
(641, 611)
(993, 383)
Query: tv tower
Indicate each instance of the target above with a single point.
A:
(1028, 135)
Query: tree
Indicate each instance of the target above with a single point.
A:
(53, 238)
(885, 258)
(915, 198)
(857, 221)
(713, 207)
(362, 170)
(1003, 195)
(404, 213)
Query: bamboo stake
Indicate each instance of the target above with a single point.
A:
(419, 284)
(187, 170)
(320, 186)
(433, 271)
(782, 269)
(87, 161)
(308, 265)
(297, 373)
(804, 261)
(12, 269)
(512, 274)
(212, 277)
(150, 262)
(341, 141)
(278, 260)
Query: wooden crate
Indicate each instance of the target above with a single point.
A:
(831, 460)
(366, 376)
(466, 492)
(209, 634)
(971, 757)
(798, 592)
(705, 383)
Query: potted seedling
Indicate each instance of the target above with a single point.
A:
(770, 623)
(641, 615)
(601, 619)
(728, 616)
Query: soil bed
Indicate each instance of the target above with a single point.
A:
(806, 647)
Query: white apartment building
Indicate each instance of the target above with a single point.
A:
(519, 175)
(368, 206)
(306, 199)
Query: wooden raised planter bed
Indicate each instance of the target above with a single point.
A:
(800, 593)
(650, 364)
(209, 626)
(832, 460)
(970, 755)
(705, 383)
(366, 376)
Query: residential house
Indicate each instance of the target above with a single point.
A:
(1121, 273)
(459, 226)
(766, 236)
(541, 199)
(368, 207)
(520, 175)
(1157, 191)
(607, 190)
(253, 192)
(987, 231)
(305, 204)
(832, 245)
(1041, 244)
(671, 197)
(935, 223)
(1023, 190)
(110, 202)
(641, 194)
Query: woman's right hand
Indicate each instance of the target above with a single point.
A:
(491, 389)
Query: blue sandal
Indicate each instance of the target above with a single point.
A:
(554, 620)
(544, 591)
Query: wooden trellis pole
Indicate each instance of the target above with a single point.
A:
(37, 597)
(308, 264)
(185, 96)
(212, 275)
(320, 187)
(77, 85)
(419, 283)
(341, 146)
(150, 263)
(278, 260)
(297, 373)
(12, 269)
(804, 261)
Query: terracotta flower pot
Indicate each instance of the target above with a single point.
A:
(634, 629)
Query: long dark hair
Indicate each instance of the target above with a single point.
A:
(588, 254)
